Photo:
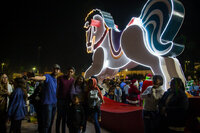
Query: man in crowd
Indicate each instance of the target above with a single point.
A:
(65, 83)
(49, 98)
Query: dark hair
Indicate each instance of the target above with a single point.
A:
(71, 67)
(56, 66)
(20, 82)
(83, 84)
(158, 77)
(177, 84)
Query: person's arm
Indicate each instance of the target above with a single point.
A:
(73, 91)
(13, 104)
(115, 92)
(100, 95)
(146, 93)
(41, 78)
(120, 92)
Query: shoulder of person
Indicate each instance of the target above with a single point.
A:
(47, 75)
(59, 77)
(18, 90)
(149, 87)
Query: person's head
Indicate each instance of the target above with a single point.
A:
(117, 86)
(148, 76)
(189, 77)
(56, 69)
(95, 78)
(92, 83)
(4, 78)
(75, 99)
(157, 80)
(133, 82)
(194, 83)
(19, 83)
(70, 71)
(176, 84)
(80, 80)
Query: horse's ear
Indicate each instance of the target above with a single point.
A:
(95, 23)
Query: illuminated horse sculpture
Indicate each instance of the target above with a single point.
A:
(146, 40)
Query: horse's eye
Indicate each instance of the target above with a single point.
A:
(86, 26)
(95, 28)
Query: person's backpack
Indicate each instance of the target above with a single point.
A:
(94, 99)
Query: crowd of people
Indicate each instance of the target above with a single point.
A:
(73, 100)
(76, 100)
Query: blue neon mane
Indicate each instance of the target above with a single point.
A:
(167, 17)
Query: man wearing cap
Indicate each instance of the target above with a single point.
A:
(49, 98)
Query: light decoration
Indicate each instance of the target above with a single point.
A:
(146, 40)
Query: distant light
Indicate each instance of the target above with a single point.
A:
(34, 68)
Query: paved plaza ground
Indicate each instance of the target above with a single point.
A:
(31, 127)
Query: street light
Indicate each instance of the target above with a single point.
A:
(34, 68)
(186, 64)
(2, 65)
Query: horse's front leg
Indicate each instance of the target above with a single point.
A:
(98, 64)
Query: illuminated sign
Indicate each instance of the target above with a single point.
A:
(146, 40)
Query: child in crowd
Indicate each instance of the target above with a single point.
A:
(77, 115)
(17, 109)
(118, 93)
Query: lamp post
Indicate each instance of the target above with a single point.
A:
(186, 65)
(34, 69)
(2, 65)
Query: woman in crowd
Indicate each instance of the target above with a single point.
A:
(5, 91)
(173, 107)
(17, 110)
(94, 101)
(78, 88)
(151, 97)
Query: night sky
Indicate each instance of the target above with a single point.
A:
(44, 32)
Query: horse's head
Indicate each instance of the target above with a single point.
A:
(95, 30)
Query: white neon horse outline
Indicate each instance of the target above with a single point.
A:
(136, 44)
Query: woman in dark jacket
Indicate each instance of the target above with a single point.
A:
(173, 107)
(16, 110)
